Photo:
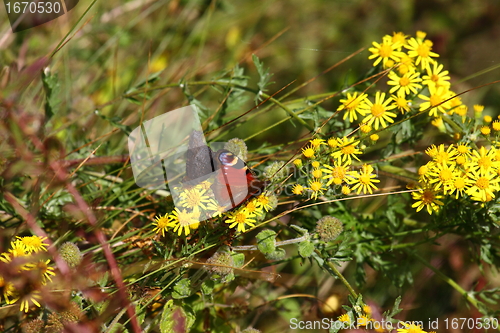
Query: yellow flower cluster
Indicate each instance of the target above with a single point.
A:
(329, 163)
(197, 204)
(23, 249)
(412, 72)
(460, 171)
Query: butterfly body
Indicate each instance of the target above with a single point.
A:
(234, 183)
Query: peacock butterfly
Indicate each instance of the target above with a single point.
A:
(234, 183)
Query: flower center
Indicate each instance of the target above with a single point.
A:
(364, 179)
(484, 163)
(435, 100)
(427, 197)
(240, 218)
(315, 186)
(404, 81)
(423, 50)
(377, 110)
(460, 160)
(435, 78)
(459, 183)
(483, 183)
(348, 150)
(445, 175)
(385, 50)
(338, 172)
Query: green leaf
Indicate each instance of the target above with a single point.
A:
(52, 91)
(306, 248)
(182, 289)
(115, 121)
(176, 319)
(264, 77)
(278, 254)
(207, 287)
(238, 259)
(266, 241)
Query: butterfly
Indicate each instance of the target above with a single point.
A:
(234, 182)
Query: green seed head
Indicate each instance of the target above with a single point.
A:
(71, 254)
(220, 258)
(237, 147)
(329, 228)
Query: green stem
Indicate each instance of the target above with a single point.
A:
(339, 275)
(453, 125)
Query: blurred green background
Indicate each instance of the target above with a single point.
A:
(117, 43)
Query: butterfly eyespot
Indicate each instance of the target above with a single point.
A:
(229, 159)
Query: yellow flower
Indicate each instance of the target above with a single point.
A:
(346, 190)
(33, 243)
(401, 103)
(162, 223)
(297, 189)
(348, 150)
(428, 198)
(463, 150)
(410, 328)
(365, 128)
(406, 84)
(353, 105)
(332, 143)
(241, 218)
(316, 143)
(440, 155)
(7, 291)
(458, 185)
(216, 208)
(344, 318)
(297, 162)
(32, 298)
(336, 173)
(316, 188)
(46, 272)
(363, 321)
(478, 108)
(379, 111)
(484, 185)
(421, 50)
(485, 160)
(315, 164)
(264, 201)
(385, 51)
(374, 137)
(317, 173)
(485, 130)
(399, 37)
(253, 207)
(496, 125)
(436, 76)
(364, 180)
(194, 198)
(405, 65)
(308, 152)
(183, 221)
(436, 101)
(442, 175)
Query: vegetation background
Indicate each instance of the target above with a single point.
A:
(114, 45)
